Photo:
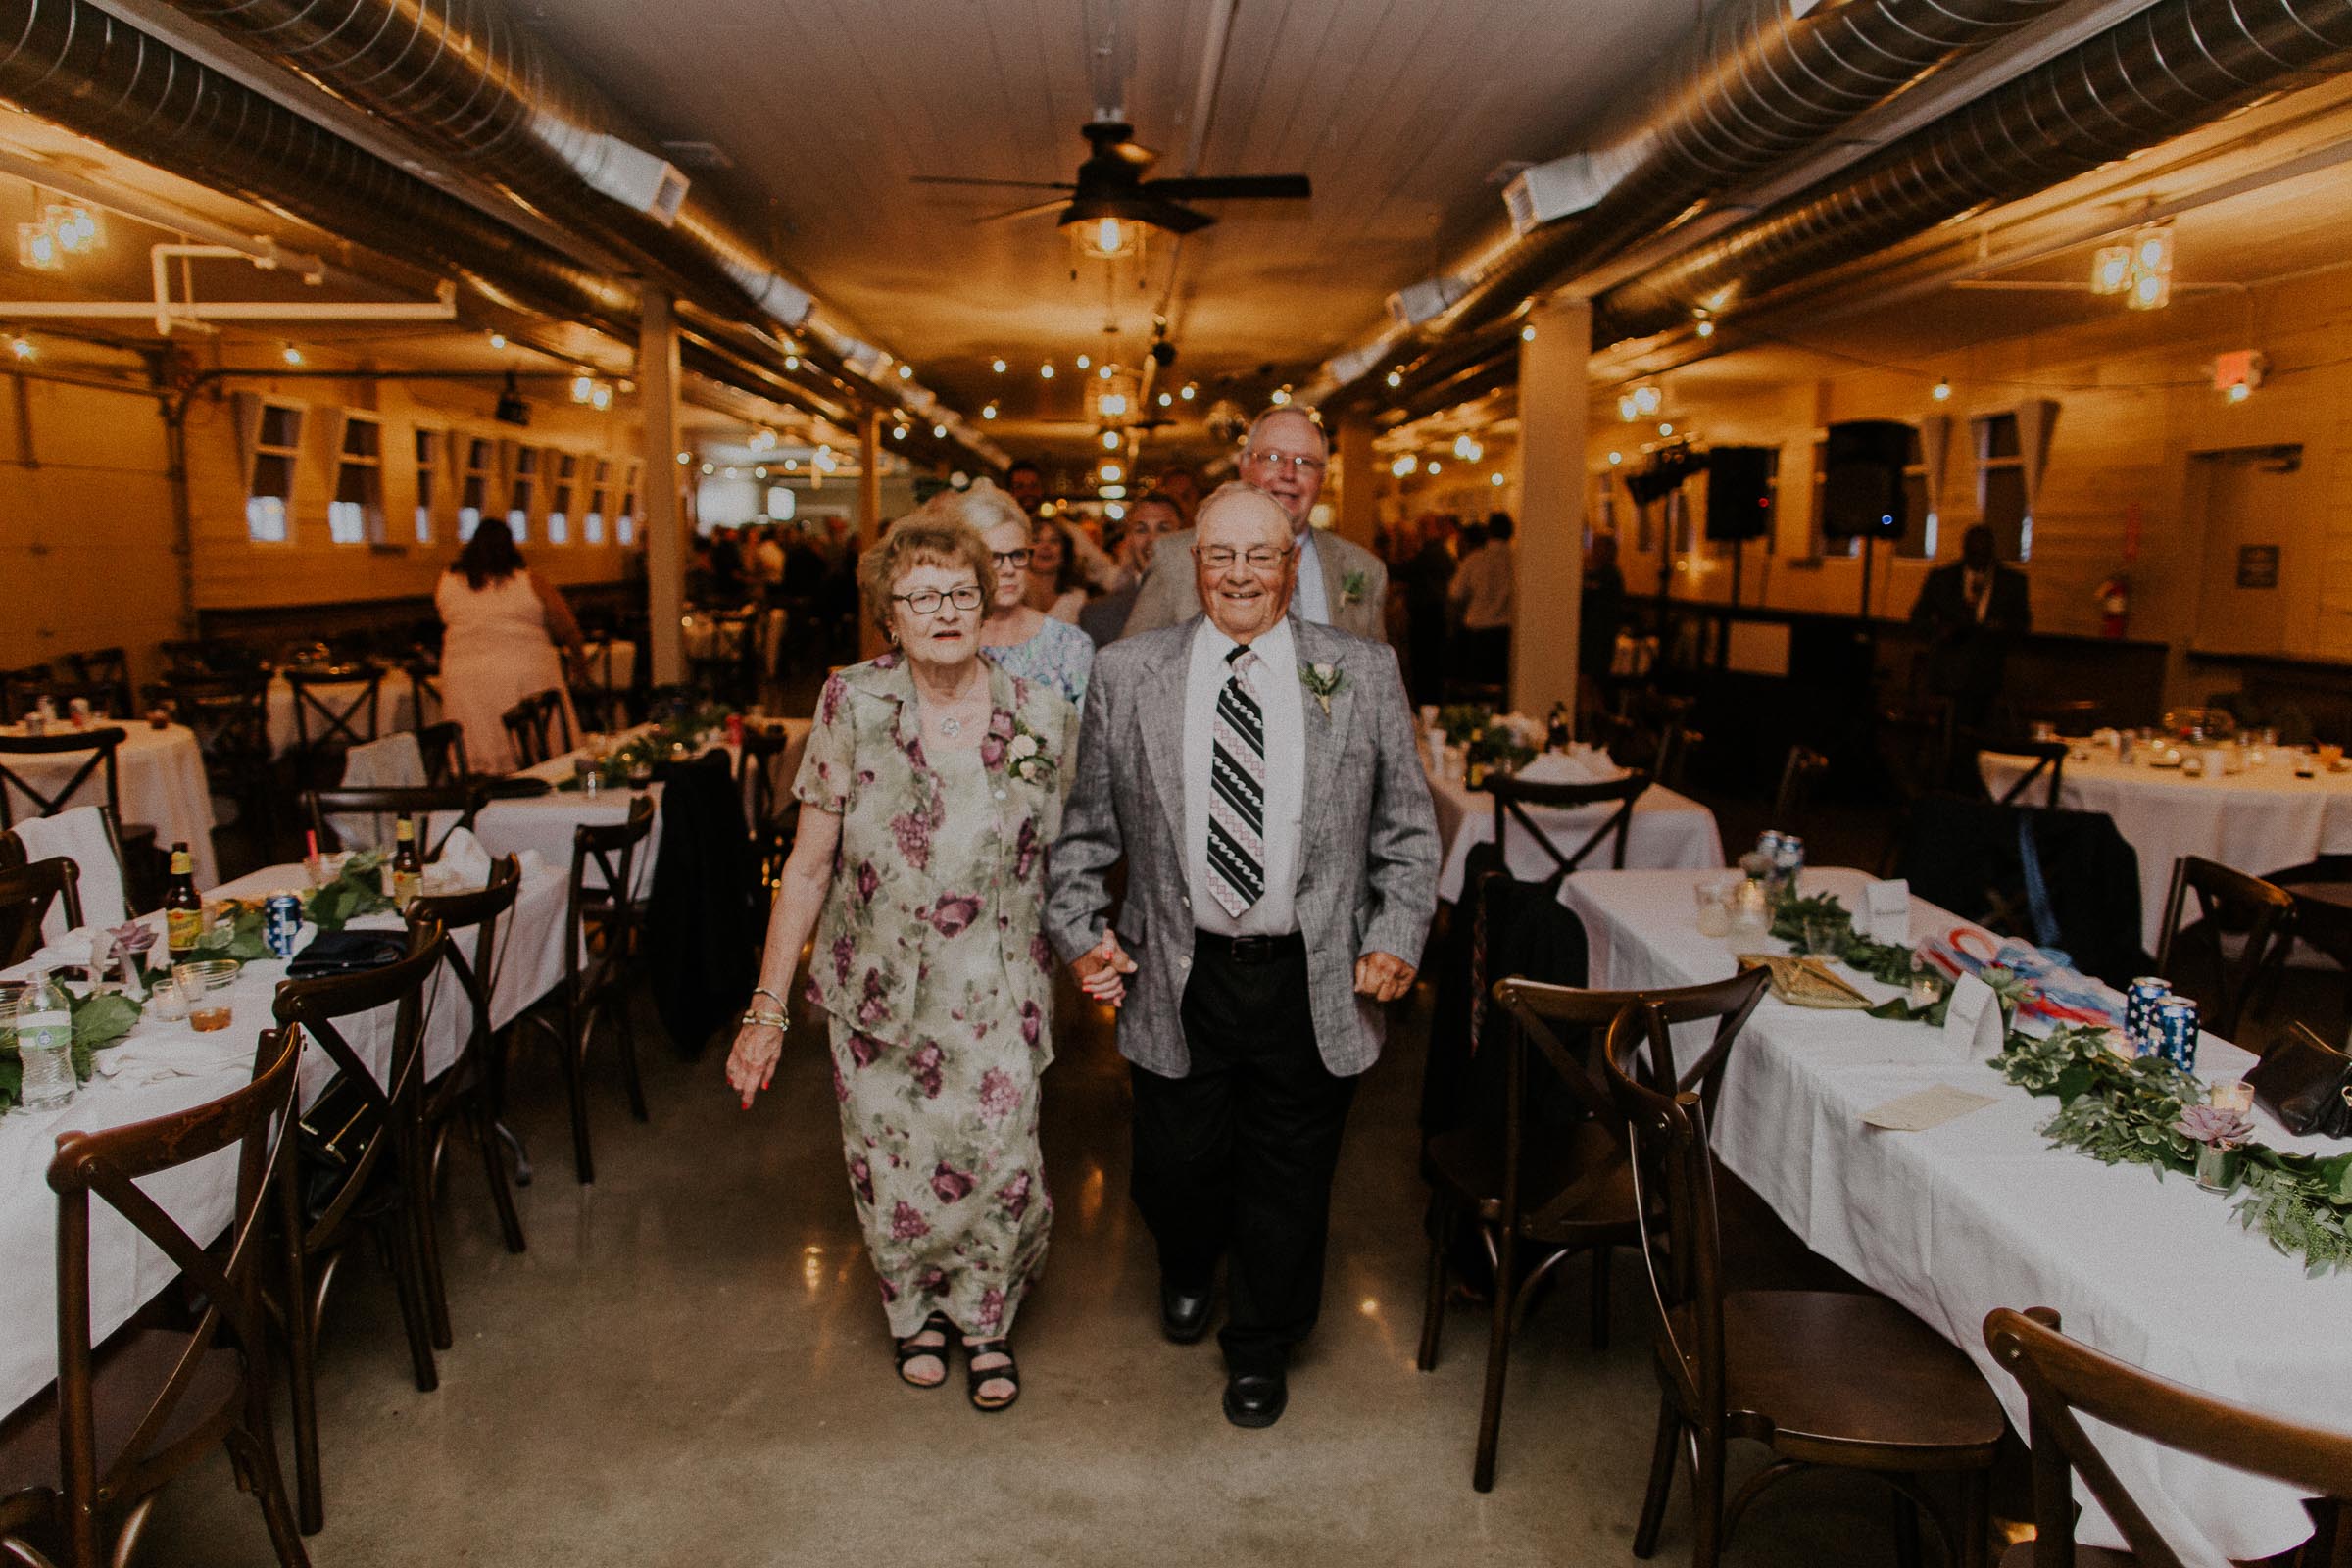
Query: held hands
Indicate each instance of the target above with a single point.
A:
(1102, 969)
(1383, 976)
(752, 1064)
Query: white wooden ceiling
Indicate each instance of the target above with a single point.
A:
(1401, 111)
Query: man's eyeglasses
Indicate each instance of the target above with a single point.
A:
(1279, 462)
(1221, 557)
(926, 601)
(1011, 557)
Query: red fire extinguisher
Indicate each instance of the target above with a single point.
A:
(2115, 604)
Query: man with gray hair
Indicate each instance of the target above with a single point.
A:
(1339, 584)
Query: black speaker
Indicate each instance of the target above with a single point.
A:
(1739, 492)
(1862, 480)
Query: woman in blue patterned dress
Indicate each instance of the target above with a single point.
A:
(1017, 636)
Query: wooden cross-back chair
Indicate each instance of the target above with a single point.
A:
(442, 747)
(555, 721)
(1559, 1192)
(1822, 1377)
(1800, 776)
(2228, 901)
(107, 670)
(329, 718)
(440, 810)
(2065, 1379)
(2049, 762)
(101, 744)
(769, 809)
(26, 892)
(600, 920)
(473, 1088)
(1514, 795)
(87, 1457)
(425, 707)
(600, 703)
(365, 1166)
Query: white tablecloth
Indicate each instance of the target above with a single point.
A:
(1668, 831)
(1983, 1212)
(2260, 822)
(396, 709)
(160, 775)
(164, 1067)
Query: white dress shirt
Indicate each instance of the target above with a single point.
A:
(1486, 587)
(1311, 601)
(1274, 681)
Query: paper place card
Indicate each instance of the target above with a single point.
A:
(1923, 1108)
(1886, 912)
(1972, 1024)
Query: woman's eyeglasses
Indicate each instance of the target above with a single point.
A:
(1011, 557)
(926, 601)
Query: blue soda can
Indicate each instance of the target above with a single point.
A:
(281, 922)
(1792, 856)
(2176, 1032)
(2140, 1010)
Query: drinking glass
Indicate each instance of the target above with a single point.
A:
(204, 985)
(1926, 986)
(1752, 911)
(1714, 908)
(1822, 937)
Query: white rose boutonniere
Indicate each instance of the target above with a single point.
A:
(1322, 682)
(1351, 588)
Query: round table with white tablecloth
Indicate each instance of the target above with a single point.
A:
(2260, 821)
(159, 775)
(1668, 830)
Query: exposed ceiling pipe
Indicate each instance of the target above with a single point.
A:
(2179, 64)
(1766, 79)
(462, 77)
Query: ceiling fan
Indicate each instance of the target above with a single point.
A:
(1110, 187)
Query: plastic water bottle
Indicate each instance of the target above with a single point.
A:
(45, 1045)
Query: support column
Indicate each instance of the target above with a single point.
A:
(869, 512)
(1553, 406)
(658, 487)
(1359, 489)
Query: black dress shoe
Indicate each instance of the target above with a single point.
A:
(1184, 1312)
(1256, 1398)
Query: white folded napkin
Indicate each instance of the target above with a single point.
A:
(1578, 765)
(462, 860)
(156, 1051)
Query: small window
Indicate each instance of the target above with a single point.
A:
(474, 493)
(1824, 547)
(277, 449)
(518, 496)
(592, 526)
(625, 528)
(428, 464)
(1918, 542)
(559, 502)
(356, 516)
(2001, 487)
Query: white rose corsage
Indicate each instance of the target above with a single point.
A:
(1025, 755)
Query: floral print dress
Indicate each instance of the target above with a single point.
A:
(938, 981)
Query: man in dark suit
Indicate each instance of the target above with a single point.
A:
(1257, 771)
(1971, 611)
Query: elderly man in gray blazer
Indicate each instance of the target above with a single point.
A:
(1339, 584)
(1264, 935)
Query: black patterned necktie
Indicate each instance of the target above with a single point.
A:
(1237, 795)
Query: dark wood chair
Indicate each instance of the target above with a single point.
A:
(336, 706)
(2065, 1379)
(1800, 776)
(2049, 762)
(2228, 902)
(107, 670)
(425, 708)
(229, 715)
(26, 891)
(769, 809)
(534, 726)
(555, 721)
(473, 1088)
(134, 842)
(1555, 1192)
(601, 921)
(1654, 734)
(85, 1458)
(442, 746)
(1514, 795)
(440, 810)
(1822, 1378)
(364, 1167)
(20, 689)
(600, 702)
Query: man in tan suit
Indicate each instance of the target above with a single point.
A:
(1339, 584)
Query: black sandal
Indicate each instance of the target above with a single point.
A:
(907, 1351)
(976, 1376)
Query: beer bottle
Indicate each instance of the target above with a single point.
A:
(407, 866)
(1556, 740)
(183, 910)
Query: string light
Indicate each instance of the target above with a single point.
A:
(1102, 372)
(792, 362)
(583, 387)
(1111, 492)
(1111, 440)
(37, 248)
(989, 411)
(1943, 392)
(1616, 458)
(291, 355)
(1706, 329)
(906, 373)
(1188, 391)
(1405, 465)
(1395, 379)
(997, 366)
(2239, 393)
(1084, 363)
(939, 432)
(23, 349)
(897, 432)
(1466, 449)
(709, 467)
(600, 397)
(1282, 395)
(1114, 511)
(1167, 399)
(498, 340)
(1112, 472)
(1527, 333)
(685, 458)
(1045, 371)
(1494, 479)
(1435, 466)
(1665, 429)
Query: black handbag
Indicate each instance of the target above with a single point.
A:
(2306, 1083)
(333, 953)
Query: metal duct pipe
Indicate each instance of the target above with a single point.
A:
(2177, 66)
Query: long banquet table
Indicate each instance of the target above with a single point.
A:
(164, 1067)
(1982, 1212)
(2262, 820)
(158, 774)
(1668, 830)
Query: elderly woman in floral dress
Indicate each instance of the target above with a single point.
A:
(932, 784)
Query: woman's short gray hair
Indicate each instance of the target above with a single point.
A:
(981, 505)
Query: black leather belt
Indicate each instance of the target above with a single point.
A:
(1251, 950)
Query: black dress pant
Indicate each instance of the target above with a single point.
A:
(1235, 1159)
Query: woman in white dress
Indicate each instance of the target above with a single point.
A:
(502, 623)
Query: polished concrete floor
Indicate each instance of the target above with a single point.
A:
(690, 1367)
